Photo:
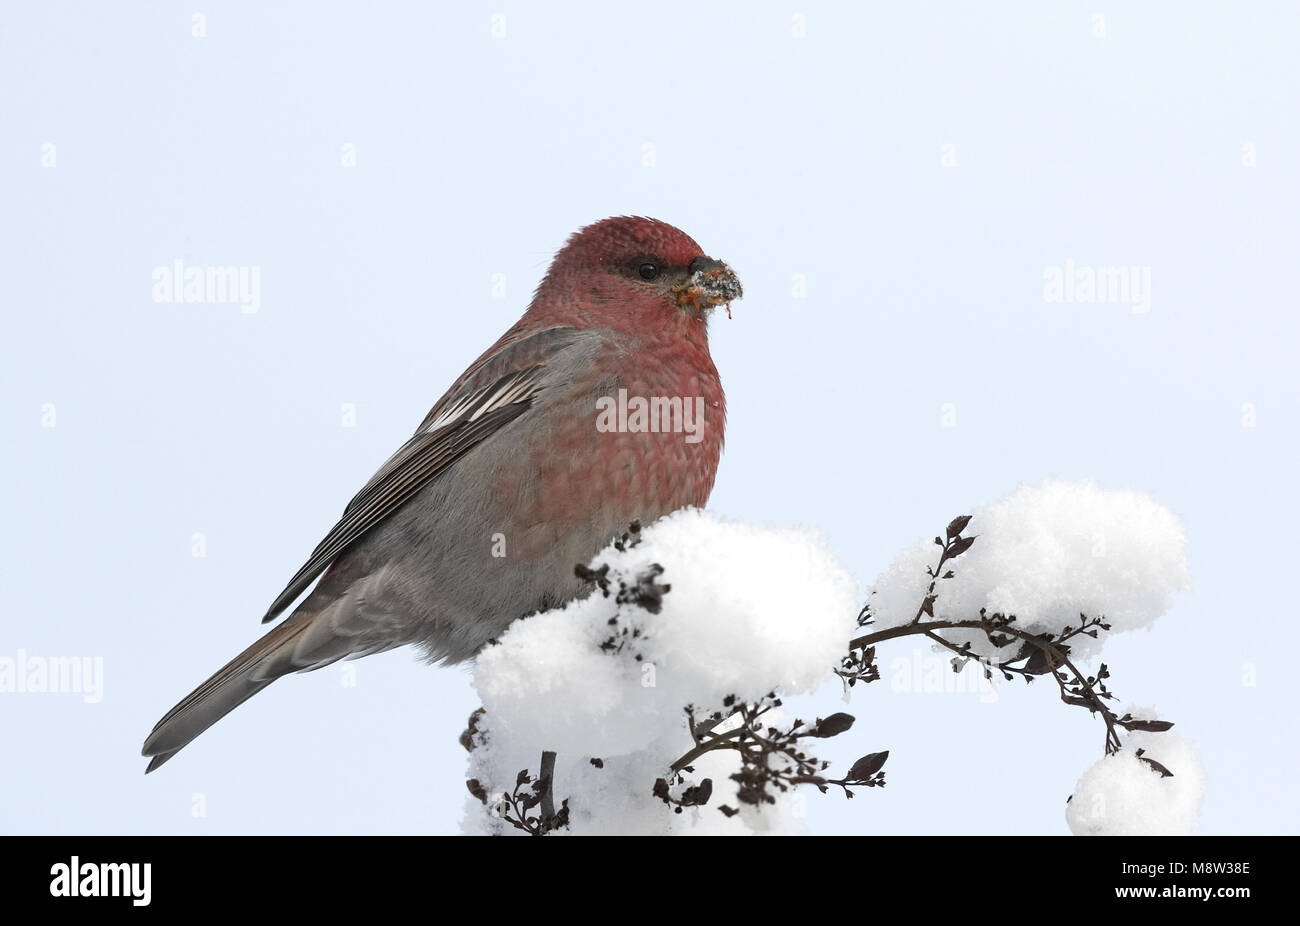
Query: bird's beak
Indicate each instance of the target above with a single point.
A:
(711, 284)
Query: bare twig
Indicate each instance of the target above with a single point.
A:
(546, 776)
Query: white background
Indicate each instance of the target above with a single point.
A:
(819, 155)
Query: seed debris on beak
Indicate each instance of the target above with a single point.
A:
(712, 283)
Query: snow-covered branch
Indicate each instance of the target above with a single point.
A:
(655, 703)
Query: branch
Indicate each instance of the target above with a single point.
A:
(546, 779)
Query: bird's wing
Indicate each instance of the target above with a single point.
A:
(463, 420)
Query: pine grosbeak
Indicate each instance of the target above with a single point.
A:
(512, 461)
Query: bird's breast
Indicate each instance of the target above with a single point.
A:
(636, 435)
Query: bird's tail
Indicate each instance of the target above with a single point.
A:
(244, 676)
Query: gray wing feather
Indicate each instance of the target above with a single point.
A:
(463, 424)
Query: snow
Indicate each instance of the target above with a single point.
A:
(1047, 553)
(703, 610)
(750, 610)
(1123, 796)
(616, 799)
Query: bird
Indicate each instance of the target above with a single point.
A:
(508, 484)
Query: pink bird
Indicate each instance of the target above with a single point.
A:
(516, 475)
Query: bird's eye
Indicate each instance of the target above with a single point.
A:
(648, 271)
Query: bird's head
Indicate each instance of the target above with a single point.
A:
(638, 271)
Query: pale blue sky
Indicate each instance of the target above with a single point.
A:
(820, 155)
